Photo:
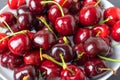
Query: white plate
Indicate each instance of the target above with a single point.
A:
(7, 74)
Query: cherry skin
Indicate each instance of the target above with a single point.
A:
(77, 75)
(26, 70)
(115, 32)
(32, 57)
(44, 39)
(64, 49)
(102, 30)
(65, 25)
(90, 15)
(19, 44)
(81, 35)
(92, 67)
(54, 13)
(14, 4)
(3, 44)
(23, 9)
(10, 60)
(113, 14)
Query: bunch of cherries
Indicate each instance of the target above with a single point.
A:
(58, 39)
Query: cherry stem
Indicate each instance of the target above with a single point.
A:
(45, 23)
(80, 55)
(97, 3)
(109, 59)
(20, 32)
(26, 77)
(65, 40)
(64, 2)
(106, 20)
(63, 61)
(98, 33)
(41, 58)
(108, 69)
(45, 2)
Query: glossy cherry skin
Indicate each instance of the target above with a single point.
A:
(78, 73)
(54, 13)
(23, 9)
(50, 68)
(64, 49)
(64, 3)
(35, 6)
(81, 35)
(90, 15)
(24, 21)
(14, 4)
(26, 70)
(91, 67)
(32, 57)
(10, 60)
(3, 44)
(102, 30)
(115, 32)
(8, 17)
(19, 44)
(44, 39)
(113, 14)
(65, 25)
(94, 46)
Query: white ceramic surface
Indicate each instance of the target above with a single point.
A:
(7, 74)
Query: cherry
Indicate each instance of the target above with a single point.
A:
(8, 17)
(115, 31)
(14, 4)
(44, 39)
(53, 13)
(3, 44)
(23, 9)
(65, 25)
(81, 35)
(63, 49)
(24, 21)
(32, 57)
(27, 71)
(90, 15)
(22, 42)
(77, 74)
(101, 30)
(11, 61)
(93, 67)
(113, 14)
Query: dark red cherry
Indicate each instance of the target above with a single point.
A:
(64, 49)
(93, 67)
(44, 39)
(19, 44)
(65, 25)
(28, 71)
(77, 74)
(8, 17)
(3, 44)
(81, 35)
(115, 31)
(14, 4)
(54, 13)
(113, 14)
(101, 30)
(24, 21)
(11, 61)
(90, 15)
(23, 9)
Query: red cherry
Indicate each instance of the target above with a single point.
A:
(90, 15)
(14, 4)
(19, 44)
(115, 31)
(113, 14)
(65, 25)
(77, 74)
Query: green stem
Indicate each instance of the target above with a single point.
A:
(41, 58)
(45, 2)
(63, 61)
(80, 55)
(97, 3)
(106, 20)
(65, 40)
(109, 59)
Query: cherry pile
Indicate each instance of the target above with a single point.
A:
(58, 39)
